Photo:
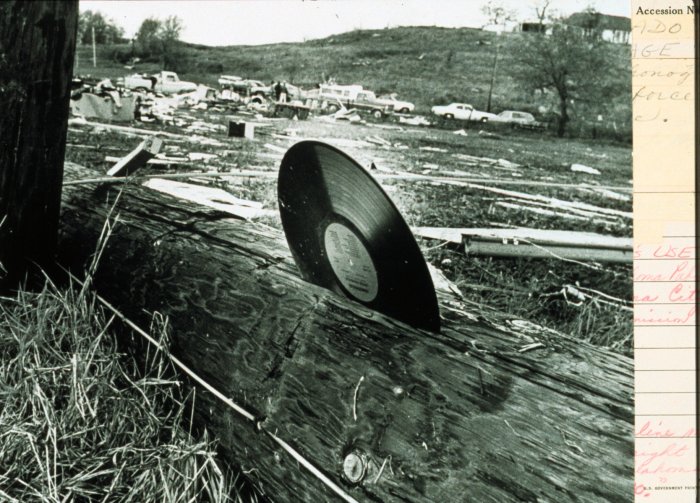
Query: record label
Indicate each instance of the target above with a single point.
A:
(351, 262)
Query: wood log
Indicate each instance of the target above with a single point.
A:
(489, 410)
(36, 63)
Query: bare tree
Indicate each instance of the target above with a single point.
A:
(541, 12)
(497, 14)
(573, 63)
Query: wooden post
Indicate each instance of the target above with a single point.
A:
(94, 49)
(490, 409)
(493, 75)
(38, 46)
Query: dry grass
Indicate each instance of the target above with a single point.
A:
(81, 422)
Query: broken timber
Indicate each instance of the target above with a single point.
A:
(145, 151)
(407, 415)
(524, 242)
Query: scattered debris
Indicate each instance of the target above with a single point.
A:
(203, 95)
(130, 131)
(558, 203)
(541, 211)
(275, 148)
(78, 120)
(106, 106)
(487, 134)
(348, 115)
(159, 160)
(292, 110)
(345, 142)
(433, 149)
(612, 195)
(378, 140)
(442, 284)
(163, 82)
(460, 132)
(584, 169)
(507, 164)
(146, 150)
(215, 198)
(482, 162)
(416, 120)
(201, 156)
(241, 130)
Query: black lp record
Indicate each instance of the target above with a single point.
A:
(346, 235)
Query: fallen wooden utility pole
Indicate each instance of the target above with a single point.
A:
(488, 410)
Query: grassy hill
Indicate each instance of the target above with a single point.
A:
(426, 65)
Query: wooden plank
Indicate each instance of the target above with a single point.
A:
(460, 414)
(145, 151)
(211, 197)
(538, 236)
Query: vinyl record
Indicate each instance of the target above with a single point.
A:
(346, 235)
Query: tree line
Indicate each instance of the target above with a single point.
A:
(155, 40)
(570, 64)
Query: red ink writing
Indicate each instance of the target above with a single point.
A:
(647, 430)
(652, 315)
(685, 271)
(670, 251)
(682, 293)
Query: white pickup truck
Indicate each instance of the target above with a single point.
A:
(162, 82)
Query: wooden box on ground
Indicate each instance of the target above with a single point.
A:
(241, 130)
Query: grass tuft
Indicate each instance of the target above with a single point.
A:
(81, 422)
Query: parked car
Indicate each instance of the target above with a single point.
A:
(462, 111)
(518, 119)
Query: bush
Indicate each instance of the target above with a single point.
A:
(210, 67)
(121, 55)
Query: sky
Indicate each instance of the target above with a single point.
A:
(252, 22)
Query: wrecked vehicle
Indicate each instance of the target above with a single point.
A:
(247, 89)
(101, 99)
(517, 119)
(401, 106)
(462, 111)
(162, 82)
(353, 97)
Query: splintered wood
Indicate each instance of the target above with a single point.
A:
(136, 158)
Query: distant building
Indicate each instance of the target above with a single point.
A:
(614, 29)
(532, 27)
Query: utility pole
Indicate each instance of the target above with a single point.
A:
(94, 50)
(38, 41)
(493, 74)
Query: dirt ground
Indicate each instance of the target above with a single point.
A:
(463, 172)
